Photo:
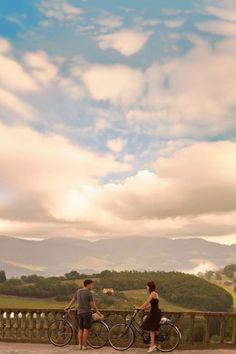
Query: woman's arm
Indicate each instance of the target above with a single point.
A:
(147, 302)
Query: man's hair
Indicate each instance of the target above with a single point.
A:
(87, 282)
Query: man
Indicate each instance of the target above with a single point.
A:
(86, 304)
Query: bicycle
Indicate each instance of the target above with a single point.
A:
(122, 335)
(60, 332)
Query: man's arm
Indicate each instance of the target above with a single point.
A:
(72, 301)
(94, 307)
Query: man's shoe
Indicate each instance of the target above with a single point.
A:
(84, 347)
(80, 347)
(152, 349)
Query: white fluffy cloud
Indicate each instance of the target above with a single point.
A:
(12, 103)
(59, 9)
(19, 79)
(191, 193)
(42, 69)
(41, 173)
(174, 23)
(116, 145)
(109, 21)
(126, 41)
(220, 27)
(15, 80)
(71, 88)
(225, 10)
(195, 189)
(118, 84)
(29, 75)
(4, 46)
(191, 94)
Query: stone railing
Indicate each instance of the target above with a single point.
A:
(198, 329)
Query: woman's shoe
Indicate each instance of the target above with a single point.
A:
(158, 346)
(152, 349)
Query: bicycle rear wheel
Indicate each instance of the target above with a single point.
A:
(60, 333)
(121, 336)
(168, 337)
(98, 335)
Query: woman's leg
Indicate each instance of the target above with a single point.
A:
(157, 343)
(152, 337)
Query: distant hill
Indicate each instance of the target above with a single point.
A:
(59, 255)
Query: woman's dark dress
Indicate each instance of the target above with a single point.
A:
(152, 321)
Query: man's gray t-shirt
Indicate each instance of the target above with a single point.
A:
(84, 298)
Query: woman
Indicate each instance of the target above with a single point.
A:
(152, 321)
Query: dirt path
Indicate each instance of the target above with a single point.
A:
(15, 348)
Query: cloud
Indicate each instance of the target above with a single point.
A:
(193, 188)
(109, 21)
(224, 12)
(18, 79)
(126, 41)
(174, 23)
(71, 88)
(17, 106)
(41, 67)
(59, 190)
(59, 9)
(193, 94)
(220, 27)
(118, 84)
(150, 22)
(5, 46)
(41, 172)
(27, 76)
(116, 145)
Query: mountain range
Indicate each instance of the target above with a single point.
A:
(56, 256)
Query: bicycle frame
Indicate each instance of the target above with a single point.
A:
(134, 325)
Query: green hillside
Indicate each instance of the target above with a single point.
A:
(178, 291)
(224, 278)
(177, 288)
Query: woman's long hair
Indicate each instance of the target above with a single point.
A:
(151, 286)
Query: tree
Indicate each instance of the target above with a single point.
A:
(72, 275)
(218, 276)
(3, 277)
(209, 274)
(229, 270)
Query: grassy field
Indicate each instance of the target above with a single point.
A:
(28, 302)
(230, 289)
(133, 297)
(137, 297)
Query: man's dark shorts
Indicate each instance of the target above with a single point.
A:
(84, 320)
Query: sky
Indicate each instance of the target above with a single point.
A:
(118, 118)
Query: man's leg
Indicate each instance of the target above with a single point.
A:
(80, 337)
(85, 337)
(87, 324)
(80, 331)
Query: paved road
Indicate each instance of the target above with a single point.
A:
(15, 348)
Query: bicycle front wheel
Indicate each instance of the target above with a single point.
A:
(168, 337)
(121, 336)
(60, 333)
(98, 335)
